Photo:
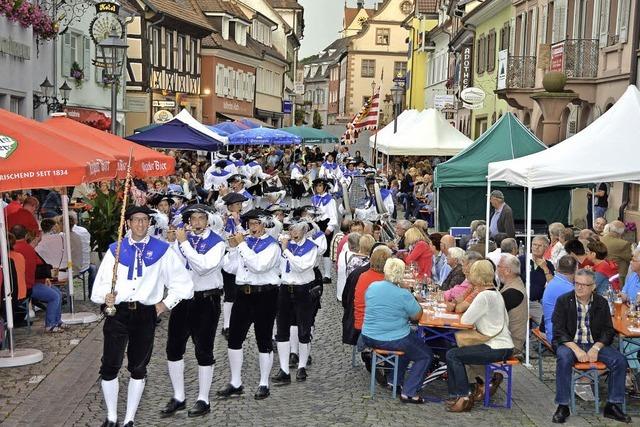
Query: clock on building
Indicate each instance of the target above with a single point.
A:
(105, 22)
(406, 7)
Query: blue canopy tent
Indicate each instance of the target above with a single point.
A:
(263, 136)
(227, 128)
(176, 134)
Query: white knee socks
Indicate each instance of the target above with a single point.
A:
(328, 265)
(283, 355)
(110, 392)
(235, 364)
(134, 394)
(293, 338)
(176, 373)
(226, 314)
(304, 355)
(205, 376)
(266, 362)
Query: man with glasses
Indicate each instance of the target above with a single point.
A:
(583, 332)
(541, 273)
(145, 267)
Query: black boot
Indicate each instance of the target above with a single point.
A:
(262, 392)
(301, 375)
(561, 414)
(172, 407)
(281, 378)
(199, 408)
(613, 411)
(230, 391)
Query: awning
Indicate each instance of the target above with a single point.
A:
(89, 117)
(271, 114)
(243, 119)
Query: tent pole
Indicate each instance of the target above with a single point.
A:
(437, 215)
(487, 218)
(6, 280)
(593, 206)
(67, 244)
(375, 150)
(528, 270)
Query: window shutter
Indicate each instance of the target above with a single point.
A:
(523, 33)
(512, 36)
(219, 80)
(604, 22)
(623, 20)
(66, 54)
(559, 21)
(86, 57)
(239, 91)
(534, 32)
(595, 30)
(225, 93)
(252, 86)
(491, 52)
(543, 25)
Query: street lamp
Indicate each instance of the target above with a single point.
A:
(111, 58)
(397, 93)
(52, 102)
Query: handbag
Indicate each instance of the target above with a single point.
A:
(469, 337)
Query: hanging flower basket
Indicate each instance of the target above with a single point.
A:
(30, 15)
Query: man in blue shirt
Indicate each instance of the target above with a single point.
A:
(632, 284)
(561, 283)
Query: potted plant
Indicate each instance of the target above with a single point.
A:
(104, 219)
(77, 74)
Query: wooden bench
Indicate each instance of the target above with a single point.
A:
(590, 371)
(506, 368)
(379, 358)
(543, 346)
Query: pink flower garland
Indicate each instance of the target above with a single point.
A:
(27, 14)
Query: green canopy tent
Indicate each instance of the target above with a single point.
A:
(461, 182)
(312, 135)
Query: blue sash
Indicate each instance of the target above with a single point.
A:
(328, 165)
(202, 246)
(147, 254)
(223, 172)
(257, 245)
(238, 163)
(299, 250)
(321, 200)
(230, 226)
(246, 194)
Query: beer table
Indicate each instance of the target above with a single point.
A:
(628, 333)
(434, 325)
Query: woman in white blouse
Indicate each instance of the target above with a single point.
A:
(489, 316)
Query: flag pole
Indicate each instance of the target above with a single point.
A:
(375, 136)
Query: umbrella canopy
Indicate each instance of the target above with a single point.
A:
(34, 156)
(263, 136)
(312, 135)
(145, 161)
(228, 128)
(176, 134)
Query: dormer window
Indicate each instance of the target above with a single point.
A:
(261, 32)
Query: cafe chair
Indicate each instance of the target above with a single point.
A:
(386, 360)
(506, 369)
(543, 346)
(591, 372)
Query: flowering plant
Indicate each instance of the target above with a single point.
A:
(30, 15)
(77, 73)
(630, 226)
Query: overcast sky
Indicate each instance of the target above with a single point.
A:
(322, 20)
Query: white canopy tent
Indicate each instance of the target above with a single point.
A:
(190, 121)
(606, 150)
(429, 135)
(406, 119)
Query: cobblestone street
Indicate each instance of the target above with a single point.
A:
(64, 389)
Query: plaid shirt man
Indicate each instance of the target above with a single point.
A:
(583, 332)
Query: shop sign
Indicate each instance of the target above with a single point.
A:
(162, 116)
(557, 57)
(472, 95)
(466, 68)
(15, 49)
(164, 104)
(287, 107)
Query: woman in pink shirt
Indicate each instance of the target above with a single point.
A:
(458, 292)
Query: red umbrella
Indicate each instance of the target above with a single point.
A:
(33, 156)
(145, 162)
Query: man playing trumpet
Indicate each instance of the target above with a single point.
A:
(145, 266)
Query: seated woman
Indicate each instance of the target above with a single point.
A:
(488, 314)
(388, 310)
(420, 251)
(455, 258)
(460, 296)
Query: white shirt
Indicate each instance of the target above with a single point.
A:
(321, 242)
(371, 213)
(262, 268)
(328, 211)
(557, 252)
(85, 237)
(300, 266)
(168, 272)
(205, 269)
(296, 174)
(341, 278)
(52, 250)
(488, 313)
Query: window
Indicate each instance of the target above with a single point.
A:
(181, 65)
(15, 104)
(399, 68)
(368, 68)
(481, 56)
(504, 37)
(194, 57)
(382, 36)
(168, 49)
(491, 51)
(76, 48)
(232, 30)
(156, 46)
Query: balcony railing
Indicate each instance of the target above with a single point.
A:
(521, 72)
(580, 58)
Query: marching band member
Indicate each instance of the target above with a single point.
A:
(237, 159)
(257, 278)
(146, 266)
(328, 220)
(330, 169)
(161, 216)
(370, 211)
(216, 178)
(202, 251)
(232, 225)
(236, 185)
(299, 256)
(179, 205)
(297, 175)
(277, 212)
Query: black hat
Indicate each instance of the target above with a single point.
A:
(236, 177)
(330, 153)
(132, 210)
(179, 195)
(261, 214)
(157, 198)
(278, 207)
(233, 197)
(221, 163)
(237, 155)
(351, 161)
(197, 208)
(297, 212)
(298, 159)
